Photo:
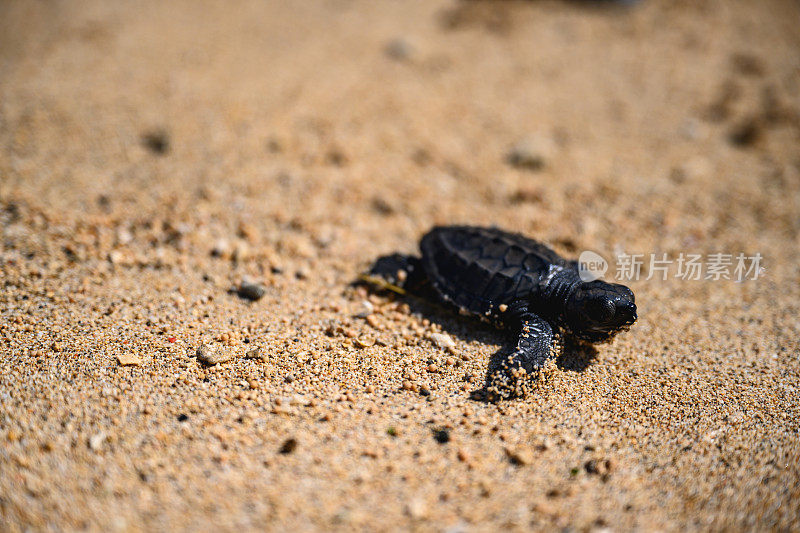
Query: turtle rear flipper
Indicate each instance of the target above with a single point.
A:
(398, 273)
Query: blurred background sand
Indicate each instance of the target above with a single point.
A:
(154, 154)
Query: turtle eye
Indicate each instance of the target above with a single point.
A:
(601, 310)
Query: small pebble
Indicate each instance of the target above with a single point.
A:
(363, 343)
(221, 248)
(255, 353)
(302, 272)
(599, 467)
(128, 359)
(251, 291)
(288, 446)
(745, 133)
(531, 153)
(442, 436)
(157, 141)
(96, 441)
(519, 455)
(443, 340)
(416, 508)
(208, 355)
(299, 400)
(365, 310)
(399, 49)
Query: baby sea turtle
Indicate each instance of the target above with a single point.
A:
(517, 283)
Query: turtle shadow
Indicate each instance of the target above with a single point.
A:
(575, 356)
(466, 328)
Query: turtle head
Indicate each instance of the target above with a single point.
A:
(596, 310)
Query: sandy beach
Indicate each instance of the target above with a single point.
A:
(155, 155)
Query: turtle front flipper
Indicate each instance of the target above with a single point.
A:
(536, 345)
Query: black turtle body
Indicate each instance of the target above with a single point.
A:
(481, 269)
(520, 284)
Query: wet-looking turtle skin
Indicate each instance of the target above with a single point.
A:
(519, 284)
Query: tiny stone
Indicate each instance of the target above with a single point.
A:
(745, 133)
(115, 257)
(299, 399)
(157, 141)
(399, 49)
(442, 436)
(208, 355)
(255, 353)
(366, 309)
(531, 153)
(302, 272)
(363, 343)
(442, 340)
(221, 248)
(124, 236)
(251, 291)
(288, 446)
(96, 441)
(241, 250)
(600, 467)
(519, 456)
(289, 378)
(416, 508)
(128, 359)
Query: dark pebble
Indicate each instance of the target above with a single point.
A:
(442, 436)
(156, 141)
(251, 291)
(288, 446)
(745, 133)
